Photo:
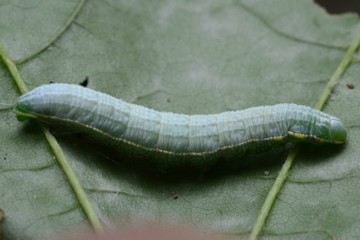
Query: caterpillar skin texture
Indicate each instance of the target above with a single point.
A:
(164, 135)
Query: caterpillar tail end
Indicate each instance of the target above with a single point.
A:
(21, 118)
(21, 114)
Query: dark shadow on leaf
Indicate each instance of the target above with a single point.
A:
(312, 154)
(339, 7)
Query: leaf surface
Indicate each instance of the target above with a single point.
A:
(193, 57)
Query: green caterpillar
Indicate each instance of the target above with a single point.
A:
(177, 137)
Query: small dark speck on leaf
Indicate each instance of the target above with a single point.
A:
(339, 7)
(174, 195)
(350, 85)
(168, 100)
(85, 82)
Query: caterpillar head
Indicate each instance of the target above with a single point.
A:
(337, 131)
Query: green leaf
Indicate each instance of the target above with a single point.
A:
(187, 57)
